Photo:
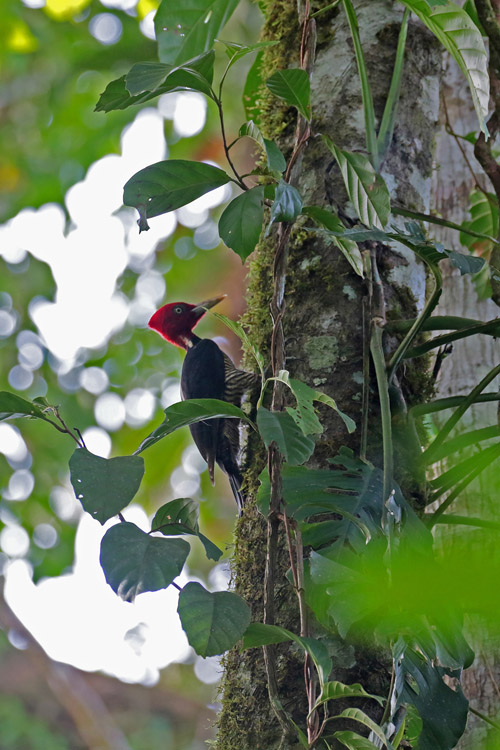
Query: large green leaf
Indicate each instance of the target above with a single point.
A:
(331, 222)
(13, 406)
(241, 222)
(278, 426)
(443, 710)
(188, 412)
(213, 622)
(180, 516)
(458, 33)
(356, 714)
(185, 30)
(170, 184)
(134, 562)
(116, 96)
(275, 159)
(294, 87)
(260, 634)
(105, 486)
(366, 189)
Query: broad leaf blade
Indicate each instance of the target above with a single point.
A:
(188, 412)
(366, 189)
(13, 406)
(287, 203)
(134, 562)
(294, 87)
(338, 690)
(170, 184)
(105, 486)
(241, 222)
(279, 427)
(185, 30)
(458, 33)
(213, 622)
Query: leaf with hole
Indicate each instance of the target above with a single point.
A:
(294, 87)
(168, 185)
(105, 486)
(185, 30)
(189, 412)
(279, 427)
(180, 516)
(458, 33)
(134, 562)
(241, 222)
(366, 189)
(213, 622)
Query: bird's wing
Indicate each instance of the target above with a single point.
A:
(203, 377)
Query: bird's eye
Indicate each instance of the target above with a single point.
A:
(178, 310)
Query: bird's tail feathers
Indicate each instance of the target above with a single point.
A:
(235, 483)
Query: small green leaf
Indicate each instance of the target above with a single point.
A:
(275, 159)
(13, 406)
(366, 189)
(236, 51)
(115, 96)
(180, 516)
(331, 222)
(465, 263)
(241, 222)
(260, 634)
(170, 184)
(287, 203)
(160, 78)
(252, 90)
(353, 740)
(335, 690)
(356, 714)
(278, 426)
(294, 87)
(134, 562)
(213, 622)
(185, 30)
(239, 331)
(104, 486)
(188, 412)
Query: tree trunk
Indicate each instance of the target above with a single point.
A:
(324, 322)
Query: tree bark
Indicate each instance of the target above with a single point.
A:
(323, 322)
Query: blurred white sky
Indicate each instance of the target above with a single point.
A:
(77, 618)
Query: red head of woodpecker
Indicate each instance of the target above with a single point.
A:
(207, 373)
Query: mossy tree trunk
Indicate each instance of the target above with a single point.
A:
(324, 322)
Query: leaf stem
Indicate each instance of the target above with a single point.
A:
(443, 433)
(377, 353)
(389, 117)
(366, 94)
(226, 147)
(441, 222)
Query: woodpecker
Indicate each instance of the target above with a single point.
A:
(207, 373)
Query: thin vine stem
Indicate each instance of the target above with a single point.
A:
(419, 322)
(377, 353)
(226, 147)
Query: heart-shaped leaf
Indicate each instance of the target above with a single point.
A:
(213, 622)
(134, 562)
(294, 87)
(105, 486)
